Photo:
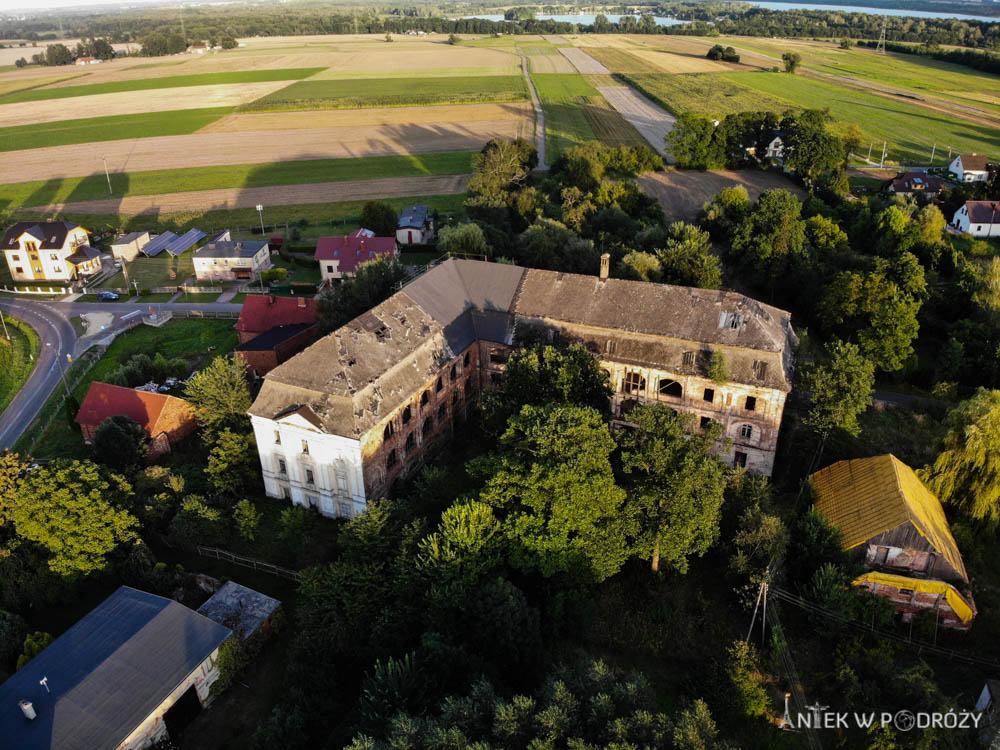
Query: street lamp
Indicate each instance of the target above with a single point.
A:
(260, 211)
(62, 372)
(5, 331)
(106, 174)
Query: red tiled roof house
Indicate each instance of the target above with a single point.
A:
(166, 419)
(262, 312)
(339, 257)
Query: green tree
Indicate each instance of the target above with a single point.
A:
(453, 39)
(58, 54)
(103, 50)
(463, 239)
(541, 374)
(690, 142)
(463, 549)
(825, 238)
(550, 244)
(120, 443)
(234, 657)
(220, 395)
(13, 630)
(228, 42)
(76, 511)
(772, 233)
(791, 61)
(502, 166)
(640, 266)
(725, 212)
(686, 258)
(374, 282)
(695, 729)
(12, 469)
(811, 150)
(839, 387)
(34, 644)
(247, 519)
(749, 694)
(233, 467)
(380, 217)
(176, 44)
(553, 484)
(966, 473)
(196, 522)
(676, 486)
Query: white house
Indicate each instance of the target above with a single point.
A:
(126, 247)
(231, 261)
(970, 168)
(776, 148)
(978, 218)
(415, 227)
(339, 257)
(49, 251)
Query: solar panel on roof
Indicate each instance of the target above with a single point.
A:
(185, 241)
(158, 244)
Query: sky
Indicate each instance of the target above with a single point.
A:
(7, 6)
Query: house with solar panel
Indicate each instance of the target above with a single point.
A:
(172, 243)
(223, 259)
(897, 528)
(49, 251)
(134, 671)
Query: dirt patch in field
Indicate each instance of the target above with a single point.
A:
(130, 102)
(682, 194)
(284, 195)
(582, 61)
(255, 147)
(671, 62)
(652, 122)
(516, 112)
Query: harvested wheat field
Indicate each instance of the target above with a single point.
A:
(550, 64)
(652, 122)
(129, 102)
(519, 113)
(698, 48)
(254, 147)
(669, 62)
(283, 195)
(427, 59)
(682, 194)
(11, 83)
(583, 62)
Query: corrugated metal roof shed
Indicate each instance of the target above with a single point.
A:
(158, 244)
(413, 217)
(106, 674)
(240, 606)
(186, 241)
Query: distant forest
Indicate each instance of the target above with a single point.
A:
(706, 19)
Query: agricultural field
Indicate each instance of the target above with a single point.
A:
(392, 92)
(702, 93)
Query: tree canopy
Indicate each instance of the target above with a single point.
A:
(220, 395)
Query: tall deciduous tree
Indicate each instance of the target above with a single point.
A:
(220, 395)
(503, 165)
(839, 387)
(554, 488)
(464, 239)
(380, 217)
(676, 485)
(233, 468)
(76, 511)
(772, 233)
(12, 468)
(791, 61)
(967, 472)
(690, 142)
(686, 258)
(120, 443)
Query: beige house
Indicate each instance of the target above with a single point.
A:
(340, 422)
(226, 260)
(126, 247)
(49, 251)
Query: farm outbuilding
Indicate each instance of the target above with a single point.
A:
(241, 609)
(126, 247)
(415, 227)
(134, 671)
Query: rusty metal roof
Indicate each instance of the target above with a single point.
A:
(866, 497)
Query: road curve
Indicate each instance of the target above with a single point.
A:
(56, 339)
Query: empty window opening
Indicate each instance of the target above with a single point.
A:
(634, 383)
(277, 438)
(454, 396)
(411, 441)
(465, 360)
(406, 415)
(759, 369)
(498, 356)
(388, 431)
(751, 404)
(310, 478)
(671, 388)
(282, 467)
(454, 372)
(424, 398)
(740, 459)
(627, 406)
(392, 460)
(443, 411)
(428, 426)
(709, 394)
(689, 359)
(705, 422)
(438, 386)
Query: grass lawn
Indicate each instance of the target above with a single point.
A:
(196, 340)
(118, 127)
(620, 61)
(239, 299)
(162, 181)
(331, 217)
(566, 123)
(391, 92)
(166, 82)
(160, 297)
(298, 274)
(707, 94)
(17, 358)
(153, 272)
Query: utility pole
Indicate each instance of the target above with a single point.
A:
(260, 211)
(880, 49)
(882, 163)
(107, 174)
(933, 151)
(5, 331)
(869, 159)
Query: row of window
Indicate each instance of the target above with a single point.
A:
(759, 367)
(52, 256)
(635, 383)
(407, 414)
(344, 509)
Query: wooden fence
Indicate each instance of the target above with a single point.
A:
(249, 562)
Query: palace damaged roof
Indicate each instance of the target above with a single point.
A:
(350, 379)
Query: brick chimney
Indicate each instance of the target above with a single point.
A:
(605, 265)
(302, 301)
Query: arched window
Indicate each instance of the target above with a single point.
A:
(428, 426)
(411, 440)
(424, 399)
(634, 382)
(670, 387)
(454, 371)
(439, 386)
(465, 360)
(606, 374)
(746, 432)
(388, 431)
(406, 415)
(392, 460)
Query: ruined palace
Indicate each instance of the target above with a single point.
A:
(364, 406)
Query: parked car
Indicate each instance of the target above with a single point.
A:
(107, 296)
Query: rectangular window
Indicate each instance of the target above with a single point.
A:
(341, 481)
(282, 468)
(312, 500)
(19, 269)
(305, 447)
(759, 369)
(53, 256)
(689, 359)
(310, 479)
(751, 404)
(277, 438)
(15, 258)
(286, 493)
(740, 459)
(344, 510)
(705, 422)
(709, 395)
(329, 269)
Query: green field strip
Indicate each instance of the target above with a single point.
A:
(160, 182)
(166, 82)
(114, 128)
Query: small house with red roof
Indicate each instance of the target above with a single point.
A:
(978, 218)
(166, 419)
(339, 257)
(262, 312)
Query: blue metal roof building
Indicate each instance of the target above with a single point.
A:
(107, 674)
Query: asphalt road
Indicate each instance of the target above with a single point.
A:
(57, 340)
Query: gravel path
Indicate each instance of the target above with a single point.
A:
(583, 62)
(285, 195)
(652, 121)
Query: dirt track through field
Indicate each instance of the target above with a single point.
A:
(651, 121)
(254, 147)
(583, 62)
(284, 195)
(683, 193)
